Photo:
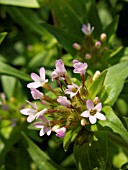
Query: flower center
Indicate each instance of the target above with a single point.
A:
(93, 112)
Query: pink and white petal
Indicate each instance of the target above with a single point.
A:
(100, 116)
(89, 104)
(40, 113)
(25, 111)
(31, 118)
(38, 124)
(42, 73)
(42, 132)
(34, 85)
(33, 105)
(85, 114)
(98, 107)
(49, 132)
(92, 119)
(35, 77)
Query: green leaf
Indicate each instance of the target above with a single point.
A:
(21, 15)
(8, 70)
(114, 82)
(91, 155)
(41, 160)
(8, 87)
(113, 122)
(64, 38)
(2, 36)
(23, 3)
(97, 85)
(67, 15)
(110, 30)
(95, 20)
(70, 137)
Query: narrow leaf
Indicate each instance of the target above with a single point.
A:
(97, 85)
(8, 70)
(2, 36)
(114, 82)
(23, 3)
(41, 160)
(113, 122)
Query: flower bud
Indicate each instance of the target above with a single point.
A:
(96, 100)
(103, 37)
(83, 122)
(97, 44)
(96, 75)
(76, 46)
(88, 56)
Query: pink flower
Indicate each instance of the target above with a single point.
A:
(79, 67)
(33, 112)
(36, 94)
(44, 125)
(60, 132)
(93, 112)
(60, 70)
(86, 29)
(72, 90)
(64, 101)
(39, 81)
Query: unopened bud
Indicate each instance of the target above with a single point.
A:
(83, 122)
(76, 46)
(55, 128)
(103, 37)
(97, 44)
(96, 75)
(96, 100)
(88, 56)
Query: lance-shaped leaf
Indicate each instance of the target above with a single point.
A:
(8, 70)
(114, 82)
(40, 158)
(92, 154)
(113, 122)
(23, 3)
(64, 38)
(97, 85)
(2, 36)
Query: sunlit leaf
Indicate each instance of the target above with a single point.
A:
(8, 70)
(23, 3)
(2, 36)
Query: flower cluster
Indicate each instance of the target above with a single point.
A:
(65, 108)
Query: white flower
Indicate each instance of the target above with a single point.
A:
(86, 29)
(93, 112)
(36, 94)
(44, 125)
(33, 112)
(60, 132)
(39, 81)
(72, 90)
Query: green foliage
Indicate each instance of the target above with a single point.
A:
(34, 34)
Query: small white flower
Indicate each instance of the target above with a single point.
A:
(44, 125)
(93, 112)
(60, 132)
(86, 29)
(64, 101)
(72, 90)
(39, 81)
(33, 112)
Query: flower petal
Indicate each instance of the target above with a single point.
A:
(31, 118)
(49, 132)
(35, 77)
(89, 104)
(85, 114)
(92, 119)
(100, 116)
(98, 107)
(42, 132)
(25, 111)
(38, 124)
(42, 73)
(34, 85)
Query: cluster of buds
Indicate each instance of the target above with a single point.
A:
(68, 106)
(91, 49)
